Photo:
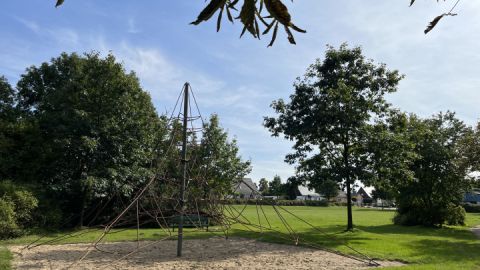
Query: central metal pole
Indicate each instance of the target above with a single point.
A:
(184, 161)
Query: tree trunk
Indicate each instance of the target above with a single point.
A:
(349, 204)
(82, 213)
(83, 205)
(349, 188)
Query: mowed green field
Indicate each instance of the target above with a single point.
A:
(375, 235)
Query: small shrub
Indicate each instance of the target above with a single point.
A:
(16, 207)
(455, 215)
(24, 202)
(8, 225)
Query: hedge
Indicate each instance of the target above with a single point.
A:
(322, 203)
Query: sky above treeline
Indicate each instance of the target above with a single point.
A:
(239, 78)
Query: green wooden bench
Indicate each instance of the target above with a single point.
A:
(190, 220)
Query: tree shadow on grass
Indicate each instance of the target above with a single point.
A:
(446, 251)
(407, 244)
(444, 232)
(362, 209)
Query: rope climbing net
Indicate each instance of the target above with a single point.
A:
(181, 193)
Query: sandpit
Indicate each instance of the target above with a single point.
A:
(213, 253)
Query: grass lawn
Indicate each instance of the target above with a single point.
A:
(5, 258)
(375, 235)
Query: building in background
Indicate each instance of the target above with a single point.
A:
(472, 197)
(245, 189)
(307, 194)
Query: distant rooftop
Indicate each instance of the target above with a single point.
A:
(245, 186)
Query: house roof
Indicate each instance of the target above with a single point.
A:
(305, 191)
(472, 196)
(364, 193)
(245, 186)
(369, 190)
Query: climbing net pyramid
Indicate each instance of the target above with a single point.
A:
(180, 193)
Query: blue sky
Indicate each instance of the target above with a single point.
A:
(238, 78)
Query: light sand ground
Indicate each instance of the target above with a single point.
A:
(213, 253)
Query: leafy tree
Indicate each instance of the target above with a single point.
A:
(391, 154)
(220, 158)
(329, 113)
(470, 147)
(290, 188)
(96, 129)
(213, 166)
(7, 119)
(263, 187)
(17, 135)
(328, 188)
(439, 181)
(7, 97)
(275, 186)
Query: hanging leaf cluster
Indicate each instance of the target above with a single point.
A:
(250, 15)
(59, 3)
(435, 21)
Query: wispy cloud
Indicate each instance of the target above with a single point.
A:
(61, 36)
(132, 26)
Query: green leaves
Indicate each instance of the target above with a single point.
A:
(439, 173)
(250, 15)
(95, 128)
(329, 114)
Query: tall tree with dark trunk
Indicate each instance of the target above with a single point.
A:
(328, 114)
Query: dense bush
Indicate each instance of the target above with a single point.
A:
(433, 216)
(8, 226)
(16, 207)
(455, 215)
